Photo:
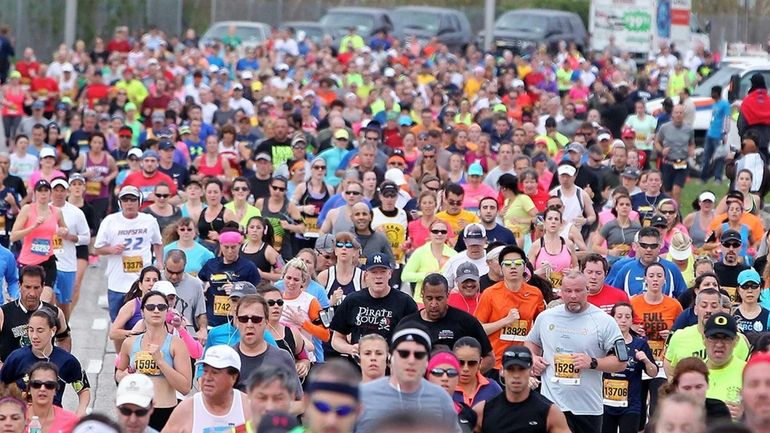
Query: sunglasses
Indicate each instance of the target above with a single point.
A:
(240, 189)
(454, 202)
(646, 246)
(404, 354)
(472, 363)
(439, 232)
(324, 255)
(128, 412)
(353, 192)
(274, 302)
(668, 212)
(185, 229)
(170, 272)
(512, 263)
(162, 195)
(344, 244)
(153, 307)
(428, 156)
(253, 319)
(48, 384)
(278, 188)
(319, 167)
(324, 407)
(750, 286)
(128, 199)
(450, 372)
(731, 244)
(433, 189)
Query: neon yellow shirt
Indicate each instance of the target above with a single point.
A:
(688, 342)
(725, 383)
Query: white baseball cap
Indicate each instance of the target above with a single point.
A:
(46, 152)
(136, 388)
(395, 175)
(567, 169)
(221, 356)
(164, 287)
(707, 195)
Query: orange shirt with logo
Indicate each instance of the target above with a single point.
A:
(655, 318)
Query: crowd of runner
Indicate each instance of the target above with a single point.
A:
(373, 236)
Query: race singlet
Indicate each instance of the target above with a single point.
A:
(517, 331)
(565, 372)
(616, 392)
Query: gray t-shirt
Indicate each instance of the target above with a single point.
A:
(380, 400)
(678, 139)
(272, 356)
(615, 235)
(191, 301)
(559, 332)
(375, 243)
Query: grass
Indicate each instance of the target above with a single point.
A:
(693, 188)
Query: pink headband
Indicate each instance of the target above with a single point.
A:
(230, 238)
(443, 358)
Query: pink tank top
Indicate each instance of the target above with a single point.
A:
(559, 262)
(17, 101)
(37, 246)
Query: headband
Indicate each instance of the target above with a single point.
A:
(230, 238)
(16, 400)
(339, 388)
(443, 358)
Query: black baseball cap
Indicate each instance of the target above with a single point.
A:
(721, 324)
(378, 260)
(517, 355)
(730, 235)
(388, 188)
(659, 221)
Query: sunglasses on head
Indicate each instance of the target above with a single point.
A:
(125, 411)
(510, 263)
(48, 384)
(646, 246)
(344, 244)
(274, 302)
(417, 355)
(253, 319)
(153, 307)
(343, 410)
(450, 372)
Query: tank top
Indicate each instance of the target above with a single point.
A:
(573, 205)
(559, 261)
(136, 317)
(205, 422)
(753, 325)
(287, 343)
(37, 246)
(211, 170)
(354, 285)
(275, 219)
(258, 258)
(13, 334)
(204, 227)
(17, 101)
(142, 360)
(95, 188)
(697, 234)
(343, 223)
(528, 416)
(311, 197)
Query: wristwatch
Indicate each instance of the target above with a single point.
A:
(594, 364)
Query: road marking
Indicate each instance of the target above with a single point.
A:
(103, 301)
(99, 324)
(94, 366)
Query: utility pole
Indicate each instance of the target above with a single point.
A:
(489, 23)
(70, 21)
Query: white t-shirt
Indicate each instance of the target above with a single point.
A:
(23, 166)
(394, 229)
(63, 249)
(138, 235)
(450, 267)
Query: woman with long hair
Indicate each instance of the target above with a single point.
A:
(131, 312)
(443, 370)
(411, 153)
(258, 248)
(228, 149)
(311, 195)
(615, 238)
(14, 97)
(163, 211)
(55, 139)
(691, 377)
(428, 258)
(283, 215)
(99, 169)
(698, 222)
(743, 181)
(752, 318)
(553, 254)
(193, 205)
(41, 328)
(211, 163)
(519, 211)
(158, 354)
(456, 172)
(183, 235)
(472, 386)
(733, 222)
(670, 210)
(240, 206)
(429, 163)
(345, 277)
(43, 383)
(13, 409)
(288, 338)
(623, 390)
(419, 228)
(215, 215)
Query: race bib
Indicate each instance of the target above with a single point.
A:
(3, 232)
(93, 187)
(41, 247)
(732, 291)
(58, 244)
(657, 347)
(515, 332)
(679, 165)
(145, 364)
(362, 260)
(565, 371)
(616, 393)
(311, 223)
(221, 305)
(556, 278)
(133, 264)
(623, 249)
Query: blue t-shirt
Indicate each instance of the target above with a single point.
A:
(684, 319)
(633, 376)
(20, 360)
(227, 334)
(10, 272)
(719, 111)
(247, 64)
(630, 278)
(217, 274)
(197, 256)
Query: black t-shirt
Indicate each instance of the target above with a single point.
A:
(728, 275)
(13, 335)
(530, 415)
(485, 282)
(260, 188)
(360, 314)
(279, 151)
(455, 324)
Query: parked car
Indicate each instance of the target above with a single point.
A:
(250, 33)
(522, 30)
(313, 30)
(450, 26)
(367, 21)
